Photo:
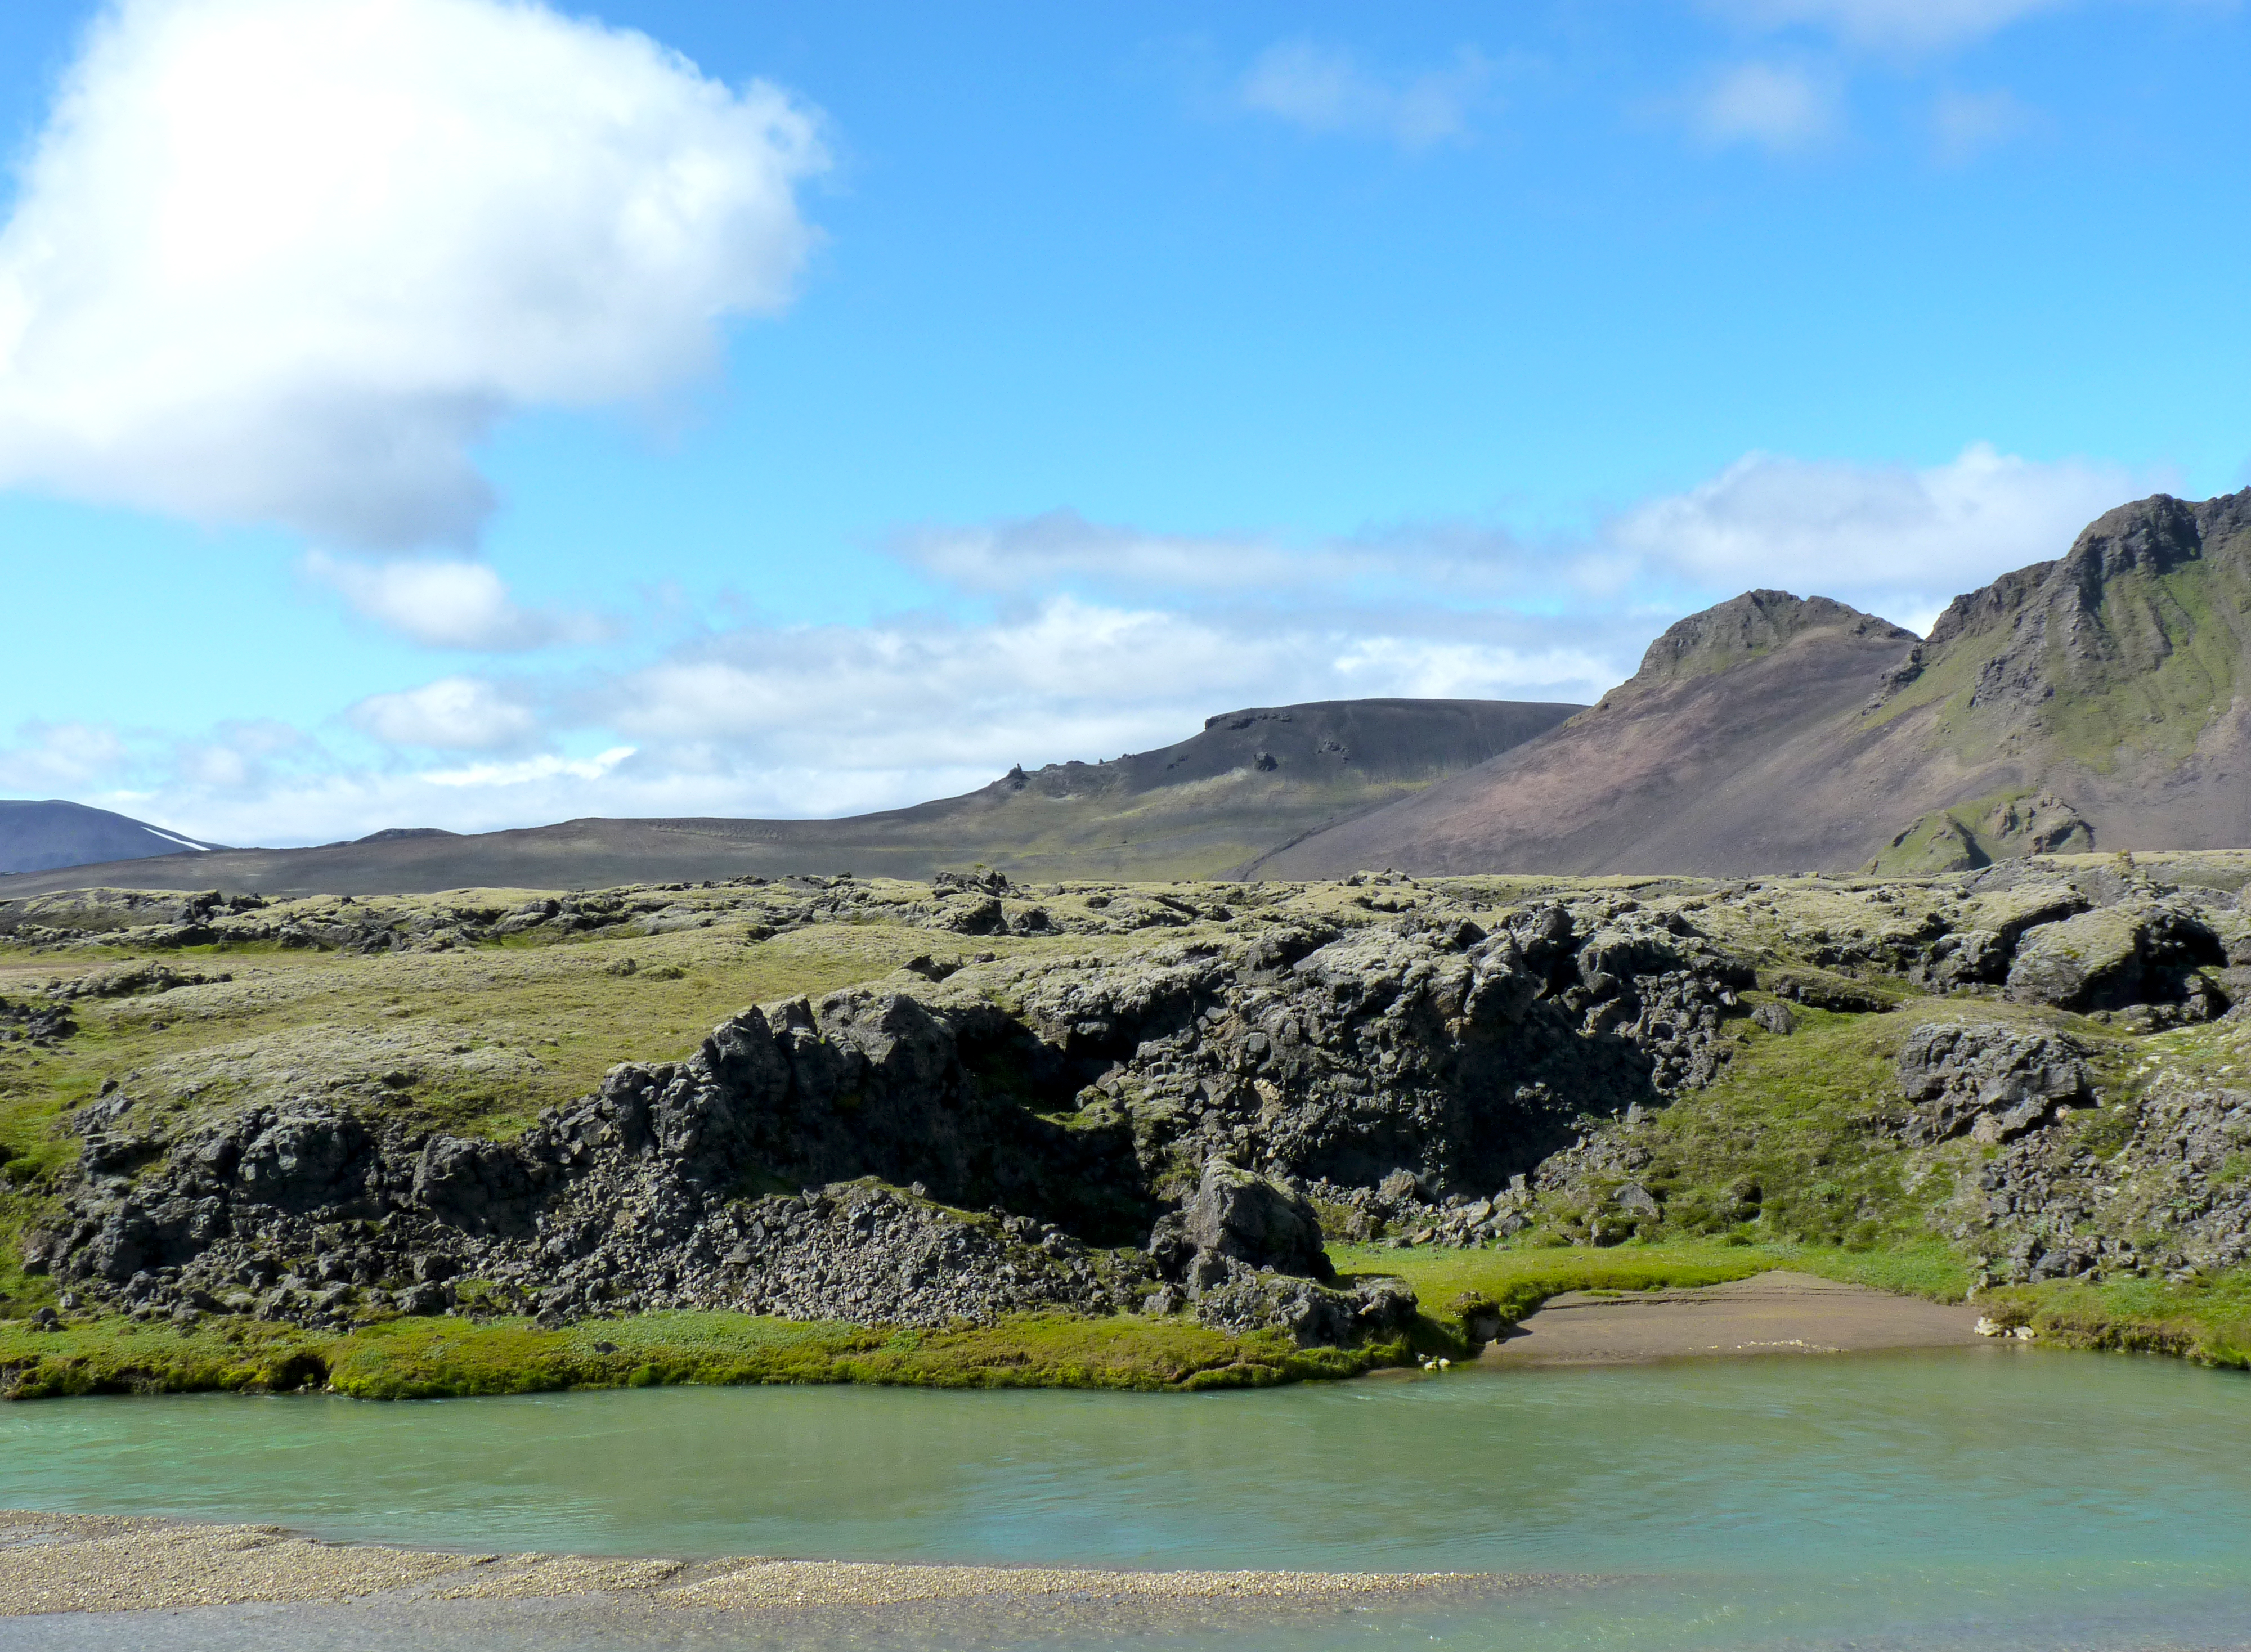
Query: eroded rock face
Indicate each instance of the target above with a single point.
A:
(2165, 1194)
(1241, 1217)
(1991, 1082)
(2134, 952)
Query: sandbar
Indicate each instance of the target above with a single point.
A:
(1776, 1312)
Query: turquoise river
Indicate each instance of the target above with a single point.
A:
(1992, 1497)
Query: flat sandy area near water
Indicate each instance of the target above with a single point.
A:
(68, 1564)
(1771, 1313)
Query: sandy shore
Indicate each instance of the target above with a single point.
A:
(1771, 1313)
(56, 1564)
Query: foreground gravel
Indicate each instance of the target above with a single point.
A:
(73, 1563)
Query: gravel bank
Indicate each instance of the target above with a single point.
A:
(73, 1563)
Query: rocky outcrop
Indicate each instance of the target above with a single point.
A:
(1173, 1125)
(1013, 1157)
(34, 1023)
(2134, 952)
(1238, 1216)
(1992, 1083)
(2154, 1186)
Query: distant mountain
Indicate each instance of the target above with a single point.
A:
(2102, 700)
(1250, 780)
(37, 837)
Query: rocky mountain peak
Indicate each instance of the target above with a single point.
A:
(1744, 627)
(2113, 616)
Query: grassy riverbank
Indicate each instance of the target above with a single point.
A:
(415, 1359)
(429, 1357)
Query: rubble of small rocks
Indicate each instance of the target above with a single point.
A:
(42, 1024)
(2162, 1189)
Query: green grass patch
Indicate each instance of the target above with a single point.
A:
(2207, 1320)
(409, 1359)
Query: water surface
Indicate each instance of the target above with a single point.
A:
(1991, 1497)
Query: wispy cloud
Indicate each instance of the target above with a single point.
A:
(1965, 125)
(1325, 89)
(1899, 539)
(453, 714)
(1891, 25)
(59, 756)
(1784, 107)
(448, 605)
(288, 263)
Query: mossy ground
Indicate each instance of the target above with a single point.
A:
(1777, 1163)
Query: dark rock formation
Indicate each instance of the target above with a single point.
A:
(1420, 1060)
(1994, 1083)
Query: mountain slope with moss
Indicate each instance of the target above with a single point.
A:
(2093, 703)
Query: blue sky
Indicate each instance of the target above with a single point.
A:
(468, 413)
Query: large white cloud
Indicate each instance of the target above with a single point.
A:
(289, 260)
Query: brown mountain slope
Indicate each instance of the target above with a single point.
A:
(1676, 769)
(2097, 700)
(1250, 779)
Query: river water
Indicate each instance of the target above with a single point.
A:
(1996, 1496)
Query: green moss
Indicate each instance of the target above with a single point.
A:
(1936, 842)
(408, 1359)
(2146, 680)
(1452, 1284)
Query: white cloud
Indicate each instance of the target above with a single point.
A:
(1914, 25)
(453, 714)
(1870, 534)
(448, 604)
(49, 756)
(1100, 644)
(483, 775)
(289, 260)
(1069, 678)
(1324, 89)
(1780, 107)
(1963, 125)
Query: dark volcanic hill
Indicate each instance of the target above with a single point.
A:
(1251, 780)
(35, 837)
(2101, 700)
